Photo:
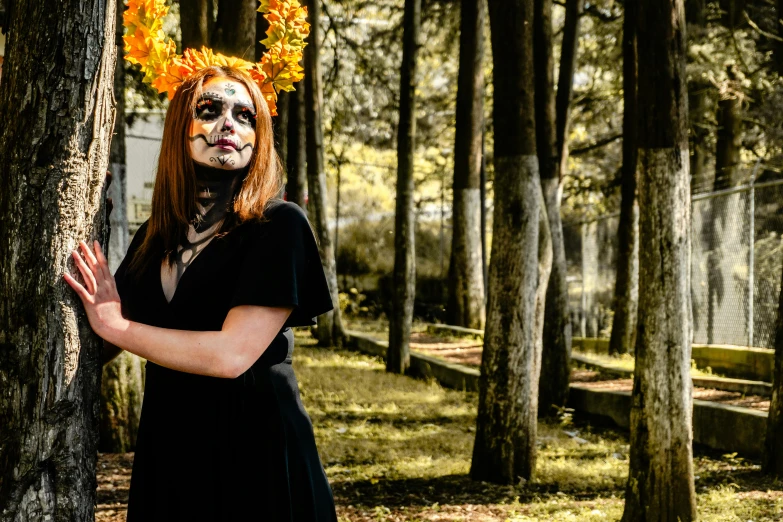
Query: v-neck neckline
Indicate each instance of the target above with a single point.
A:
(189, 268)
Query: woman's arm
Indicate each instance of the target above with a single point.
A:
(246, 333)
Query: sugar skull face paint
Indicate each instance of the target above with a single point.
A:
(222, 134)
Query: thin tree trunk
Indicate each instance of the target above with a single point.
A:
(234, 33)
(773, 454)
(195, 22)
(565, 81)
(505, 446)
(296, 156)
(466, 278)
(55, 156)
(121, 385)
(552, 122)
(404, 292)
(660, 479)
(626, 289)
(698, 98)
(330, 328)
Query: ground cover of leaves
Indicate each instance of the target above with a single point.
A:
(399, 449)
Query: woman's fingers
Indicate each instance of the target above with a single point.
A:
(103, 263)
(87, 274)
(92, 262)
(80, 290)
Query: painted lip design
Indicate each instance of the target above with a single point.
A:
(224, 142)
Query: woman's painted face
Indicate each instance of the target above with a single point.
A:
(223, 131)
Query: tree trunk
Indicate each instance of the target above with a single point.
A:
(404, 292)
(565, 80)
(660, 479)
(466, 277)
(721, 232)
(626, 289)
(195, 22)
(556, 356)
(121, 385)
(330, 328)
(57, 91)
(296, 155)
(234, 33)
(505, 446)
(773, 454)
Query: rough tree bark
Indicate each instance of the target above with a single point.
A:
(660, 479)
(466, 278)
(626, 288)
(773, 454)
(121, 385)
(505, 446)
(552, 116)
(404, 292)
(234, 32)
(195, 22)
(56, 89)
(330, 329)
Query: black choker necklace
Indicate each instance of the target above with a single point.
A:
(215, 191)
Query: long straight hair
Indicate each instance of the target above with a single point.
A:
(174, 195)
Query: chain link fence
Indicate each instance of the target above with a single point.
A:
(736, 263)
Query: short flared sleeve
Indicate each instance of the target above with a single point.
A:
(121, 276)
(281, 266)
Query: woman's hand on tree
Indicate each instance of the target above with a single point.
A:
(99, 293)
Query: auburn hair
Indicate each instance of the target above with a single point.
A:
(174, 194)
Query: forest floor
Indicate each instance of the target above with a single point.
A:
(399, 449)
(468, 352)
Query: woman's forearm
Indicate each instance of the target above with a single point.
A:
(246, 333)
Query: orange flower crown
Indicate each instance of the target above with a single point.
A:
(147, 45)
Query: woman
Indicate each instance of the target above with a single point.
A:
(207, 293)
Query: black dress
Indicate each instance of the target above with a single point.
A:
(239, 449)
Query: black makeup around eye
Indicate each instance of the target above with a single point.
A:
(208, 108)
(245, 114)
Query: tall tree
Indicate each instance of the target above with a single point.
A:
(773, 454)
(626, 289)
(552, 123)
(398, 355)
(660, 479)
(234, 32)
(330, 327)
(196, 23)
(466, 275)
(296, 155)
(505, 446)
(54, 161)
(121, 385)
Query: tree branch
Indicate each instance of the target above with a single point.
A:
(584, 149)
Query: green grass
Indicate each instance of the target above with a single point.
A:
(399, 449)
